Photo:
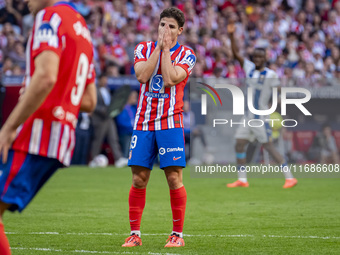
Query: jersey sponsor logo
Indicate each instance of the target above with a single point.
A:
(156, 95)
(161, 151)
(58, 112)
(81, 30)
(174, 149)
(157, 82)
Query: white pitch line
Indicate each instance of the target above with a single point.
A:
(90, 252)
(166, 234)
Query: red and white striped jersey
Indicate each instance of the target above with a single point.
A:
(159, 107)
(49, 131)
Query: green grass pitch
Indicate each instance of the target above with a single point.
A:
(85, 211)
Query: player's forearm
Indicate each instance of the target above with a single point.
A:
(39, 88)
(169, 73)
(89, 100)
(144, 71)
(235, 50)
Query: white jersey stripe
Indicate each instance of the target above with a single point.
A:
(64, 142)
(67, 159)
(179, 55)
(38, 22)
(54, 140)
(160, 107)
(35, 140)
(141, 98)
(147, 114)
(55, 23)
(149, 99)
(171, 123)
(140, 105)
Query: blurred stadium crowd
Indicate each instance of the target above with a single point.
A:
(302, 37)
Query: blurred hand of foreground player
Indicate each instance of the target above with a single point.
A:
(7, 137)
(167, 38)
(231, 28)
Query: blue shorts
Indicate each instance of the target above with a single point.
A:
(146, 145)
(22, 177)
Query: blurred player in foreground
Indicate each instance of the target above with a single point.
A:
(261, 79)
(162, 68)
(59, 83)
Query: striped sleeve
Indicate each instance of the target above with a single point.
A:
(91, 77)
(188, 61)
(47, 33)
(140, 52)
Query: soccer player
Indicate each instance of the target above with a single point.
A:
(261, 79)
(162, 68)
(39, 137)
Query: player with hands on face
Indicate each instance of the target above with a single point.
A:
(163, 69)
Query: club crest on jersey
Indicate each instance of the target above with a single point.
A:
(190, 60)
(45, 32)
(157, 82)
(59, 112)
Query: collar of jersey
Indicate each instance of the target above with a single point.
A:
(66, 3)
(173, 48)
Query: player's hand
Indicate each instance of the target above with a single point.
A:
(160, 38)
(6, 139)
(21, 93)
(167, 38)
(231, 28)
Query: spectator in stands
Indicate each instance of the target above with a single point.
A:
(125, 122)
(7, 66)
(104, 126)
(111, 53)
(329, 150)
(18, 55)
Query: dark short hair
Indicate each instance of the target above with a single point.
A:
(260, 49)
(173, 12)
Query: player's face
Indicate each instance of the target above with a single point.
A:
(175, 30)
(259, 58)
(36, 5)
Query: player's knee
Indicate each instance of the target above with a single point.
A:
(3, 208)
(174, 181)
(139, 182)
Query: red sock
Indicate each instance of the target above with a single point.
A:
(136, 207)
(178, 199)
(4, 245)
